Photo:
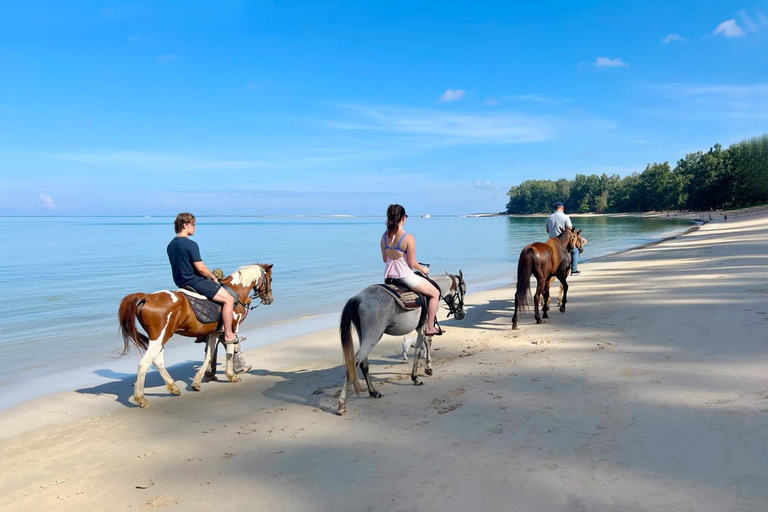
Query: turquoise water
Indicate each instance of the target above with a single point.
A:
(62, 278)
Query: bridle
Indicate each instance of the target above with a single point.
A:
(259, 292)
(452, 298)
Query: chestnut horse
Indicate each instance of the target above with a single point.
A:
(543, 261)
(580, 243)
(165, 313)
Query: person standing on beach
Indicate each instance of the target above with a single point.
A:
(398, 251)
(190, 271)
(556, 224)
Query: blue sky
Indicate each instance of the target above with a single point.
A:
(235, 107)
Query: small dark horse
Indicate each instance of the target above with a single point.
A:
(543, 261)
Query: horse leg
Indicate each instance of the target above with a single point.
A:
(153, 349)
(564, 287)
(230, 369)
(210, 371)
(364, 368)
(159, 363)
(536, 299)
(545, 301)
(210, 346)
(416, 356)
(560, 296)
(428, 355)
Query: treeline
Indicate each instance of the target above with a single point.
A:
(720, 178)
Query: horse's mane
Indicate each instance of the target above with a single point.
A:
(247, 274)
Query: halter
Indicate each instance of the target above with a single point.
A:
(452, 307)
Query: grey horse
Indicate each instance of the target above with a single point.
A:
(374, 312)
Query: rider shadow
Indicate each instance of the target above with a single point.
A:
(122, 388)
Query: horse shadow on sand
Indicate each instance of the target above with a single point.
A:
(122, 387)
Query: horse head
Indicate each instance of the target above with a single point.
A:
(455, 296)
(580, 241)
(256, 278)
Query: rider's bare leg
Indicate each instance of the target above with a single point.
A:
(433, 294)
(227, 306)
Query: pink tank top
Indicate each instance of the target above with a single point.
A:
(396, 268)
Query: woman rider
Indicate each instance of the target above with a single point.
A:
(398, 251)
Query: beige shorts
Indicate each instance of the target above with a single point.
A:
(411, 280)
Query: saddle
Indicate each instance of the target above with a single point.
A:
(206, 311)
(406, 298)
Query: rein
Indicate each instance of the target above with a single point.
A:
(256, 295)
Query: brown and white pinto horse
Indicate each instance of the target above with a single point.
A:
(165, 313)
(543, 261)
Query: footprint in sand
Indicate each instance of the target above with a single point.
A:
(447, 403)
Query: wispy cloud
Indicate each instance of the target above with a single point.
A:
(669, 38)
(607, 62)
(536, 99)
(453, 95)
(47, 202)
(709, 101)
(165, 59)
(729, 28)
(454, 128)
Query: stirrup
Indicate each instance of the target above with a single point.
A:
(237, 339)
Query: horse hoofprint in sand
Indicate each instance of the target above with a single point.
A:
(165, 313)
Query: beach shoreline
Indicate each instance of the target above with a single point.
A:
(614, 405)
(184, 355)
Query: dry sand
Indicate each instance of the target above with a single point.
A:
(650, 393)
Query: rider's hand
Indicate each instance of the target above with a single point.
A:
(425, 270)
(215, 279)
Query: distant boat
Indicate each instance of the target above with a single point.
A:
(427, 216)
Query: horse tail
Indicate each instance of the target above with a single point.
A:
(523, 297)
(350, 315)
(129, 310)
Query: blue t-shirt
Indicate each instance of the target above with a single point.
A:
(182, 253)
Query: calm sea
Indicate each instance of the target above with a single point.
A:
(62, 278)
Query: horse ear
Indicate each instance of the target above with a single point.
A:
(461, 276)
(268, 266)
(579, 231)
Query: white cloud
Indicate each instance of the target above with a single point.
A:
(673, 37)
(47, 202)
(165, 59)
(453, 95)
(729, 28)
(607, 62)
(484, 185)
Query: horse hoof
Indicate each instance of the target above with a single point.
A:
(141, 402)
(545, 315)
(196, 387)
(209, 378)
(539, 321)
(417, 382)
(428, 371)
(342, 409)
(234, 378)
(375, 394)
(562, 309)
(172, 389)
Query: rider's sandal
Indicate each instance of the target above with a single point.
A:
(438, 332)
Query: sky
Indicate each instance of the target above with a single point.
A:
(278, 108)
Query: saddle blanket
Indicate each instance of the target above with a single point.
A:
(405, 298)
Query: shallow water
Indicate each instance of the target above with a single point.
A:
(62, 278)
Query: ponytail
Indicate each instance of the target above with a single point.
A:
(395, 213)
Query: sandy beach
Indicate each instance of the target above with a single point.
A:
(648, 394)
